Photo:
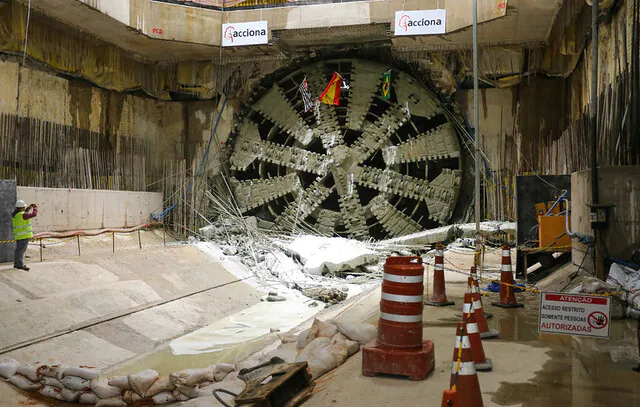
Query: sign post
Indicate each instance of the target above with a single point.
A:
(575, 314)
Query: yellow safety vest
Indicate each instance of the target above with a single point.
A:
(21, 227)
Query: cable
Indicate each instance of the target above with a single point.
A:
(215, 394)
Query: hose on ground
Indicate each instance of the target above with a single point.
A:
(215, 394)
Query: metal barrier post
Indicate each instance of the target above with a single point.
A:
(78, 238)
(139, 240)
(164, 235)
(113, 239)
(41, 250)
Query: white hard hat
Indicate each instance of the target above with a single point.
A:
(21, 204)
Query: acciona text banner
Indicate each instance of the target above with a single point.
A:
(237, 34)
(421, 22)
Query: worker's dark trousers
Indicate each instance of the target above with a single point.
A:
(21, 247)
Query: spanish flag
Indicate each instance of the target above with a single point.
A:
(331, 94)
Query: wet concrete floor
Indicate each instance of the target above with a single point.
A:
(580, 371)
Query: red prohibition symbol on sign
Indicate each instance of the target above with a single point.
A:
(597, 320)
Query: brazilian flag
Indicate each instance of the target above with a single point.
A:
(386, 85)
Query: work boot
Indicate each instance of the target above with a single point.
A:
(23, 267)
(636, 369)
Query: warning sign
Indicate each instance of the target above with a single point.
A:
(574, 314)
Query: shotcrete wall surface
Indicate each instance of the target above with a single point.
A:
(619, 186)
(69, 209)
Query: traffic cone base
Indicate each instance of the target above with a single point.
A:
(490, 334)
(497, 304)
(487, 315)
(439, 304)
(485, 366)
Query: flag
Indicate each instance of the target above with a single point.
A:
(331, 94)
(306, 96)
(386, 85)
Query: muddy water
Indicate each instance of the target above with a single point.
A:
(582, 372)
(165, 362)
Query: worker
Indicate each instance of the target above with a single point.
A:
(22, 231)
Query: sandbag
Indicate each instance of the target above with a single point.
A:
(70, 396)
(51, 381)
(163, 398)
(131, 397)
(163, 384)
(8, 367)
(51, 392)
(51, 370)
(23, 383)
(76, 383)
(88, 397)
(120, 381)
(323, 355)
(352, 347)
(361, 333)
(221, 370)
(231, 383)
(319, 329)
(111, 402)
(180, 396)
(199, 390)
(30, 371)
(142, 381)
(191, 377)
(86, 372)
(302, 339)
(102, 389)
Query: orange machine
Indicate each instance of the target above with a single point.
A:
(551, 226)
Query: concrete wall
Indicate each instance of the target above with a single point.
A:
(93, 138)
(71, 209)
(619, 186)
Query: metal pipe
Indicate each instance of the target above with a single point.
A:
(476, 130)
(594, 101)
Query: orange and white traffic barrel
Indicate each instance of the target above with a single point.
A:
(399, 348)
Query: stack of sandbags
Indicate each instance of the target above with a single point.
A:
(84, 384)
(327, 345)
(193, 383)
(53, 380)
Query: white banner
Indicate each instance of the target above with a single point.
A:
(237, 34)
(575, 314)
(421, 22)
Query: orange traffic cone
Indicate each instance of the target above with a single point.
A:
(507, 285)
(450, 398)
(476, 288)
(464, 378)
(439, 297)
(479, 358)
(472, 304)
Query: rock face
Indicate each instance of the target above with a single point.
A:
(325, 294)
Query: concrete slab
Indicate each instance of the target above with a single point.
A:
(10, 296)
(59, 276)
(25, 322)
(77, 348)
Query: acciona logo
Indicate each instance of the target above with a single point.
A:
(406, 22)
(238, 34)
(231, 33)
(420, 22)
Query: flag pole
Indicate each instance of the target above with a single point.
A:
(476, 134)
